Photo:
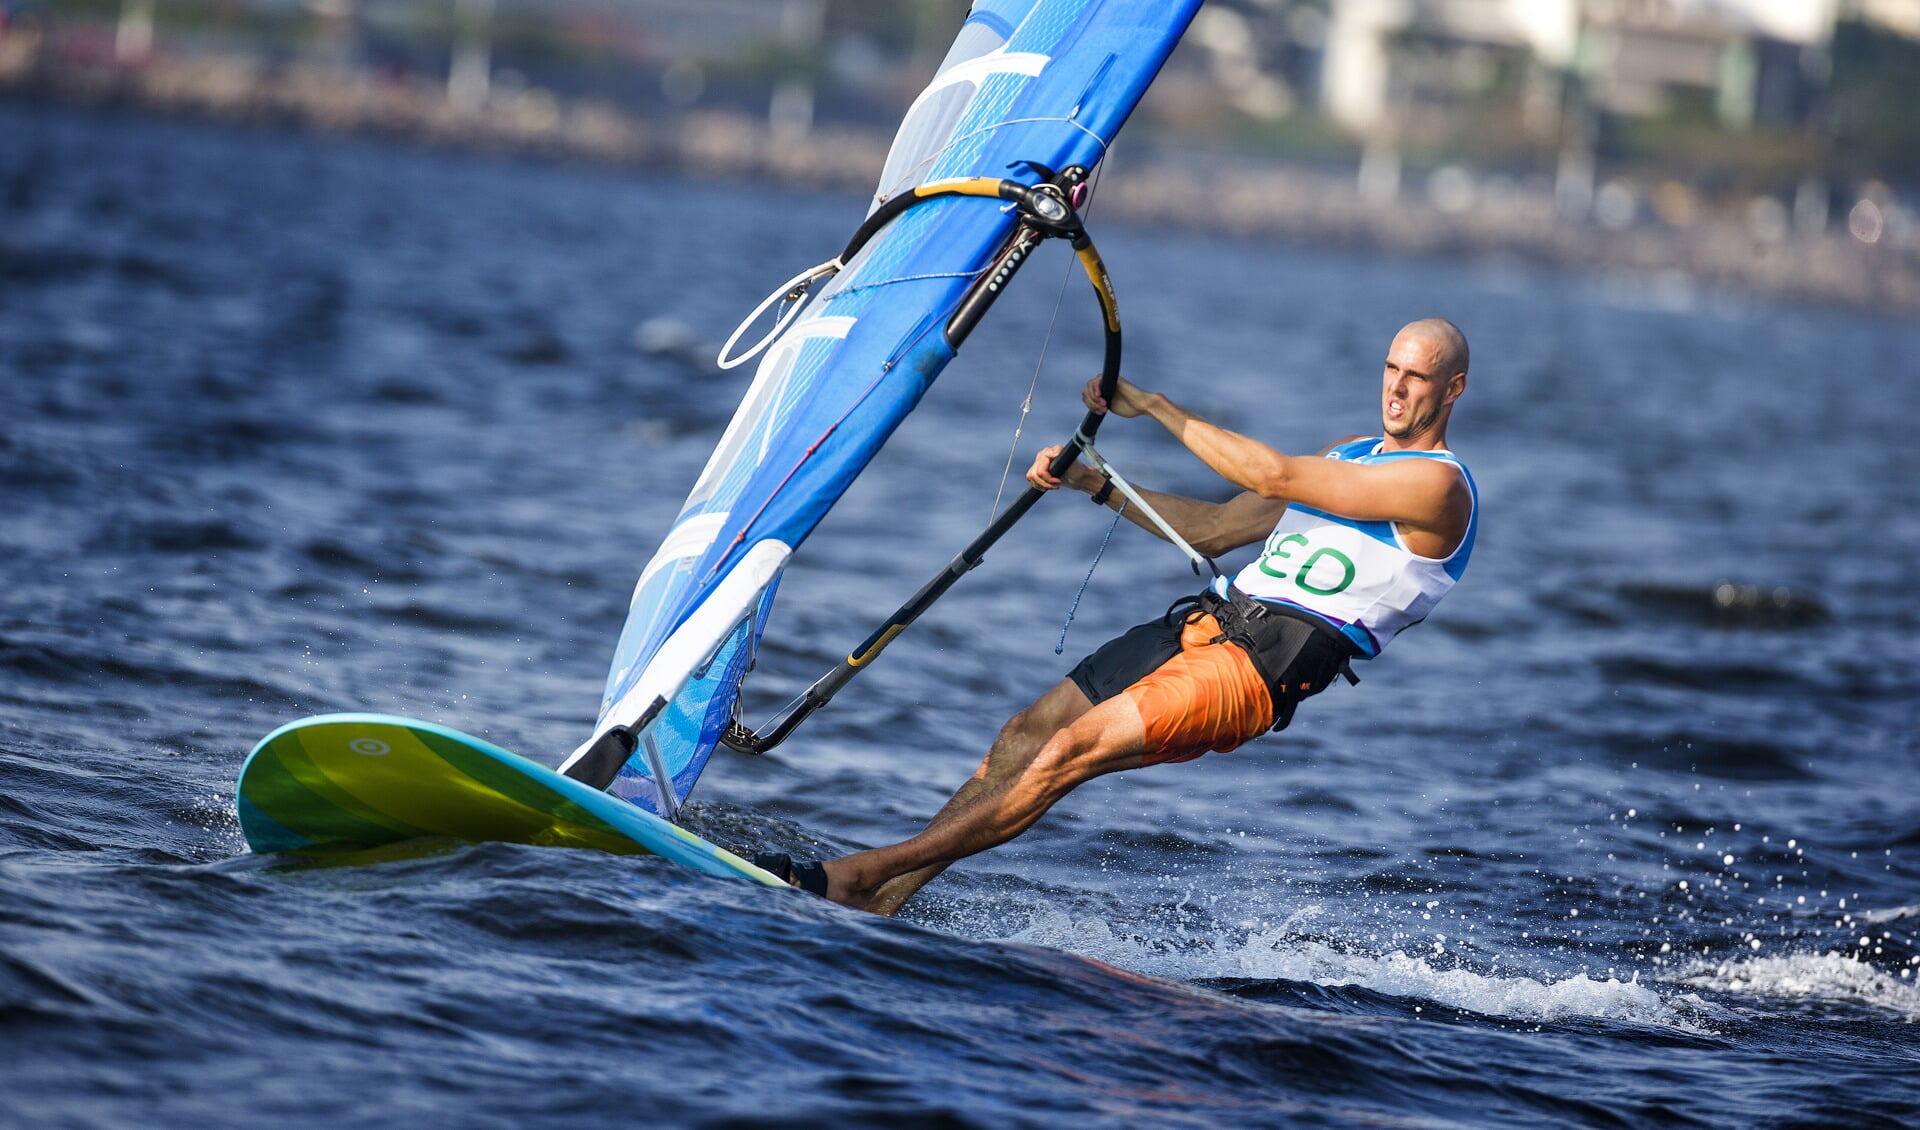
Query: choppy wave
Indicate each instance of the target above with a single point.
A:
(298, 425)
(1281, 955)
(1826, 978)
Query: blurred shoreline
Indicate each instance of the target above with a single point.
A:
(1493, 219)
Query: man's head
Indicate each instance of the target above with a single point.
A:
(1426, 371)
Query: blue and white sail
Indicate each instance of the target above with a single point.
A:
(1043, 81)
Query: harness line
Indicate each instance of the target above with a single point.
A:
(1120, 484)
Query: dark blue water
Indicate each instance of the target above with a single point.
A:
(292, 425)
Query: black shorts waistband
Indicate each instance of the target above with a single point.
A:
(1251, 622)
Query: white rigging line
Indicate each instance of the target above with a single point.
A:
(1026, 406)
(918, 169)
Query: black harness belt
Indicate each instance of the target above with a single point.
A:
(1271, 635)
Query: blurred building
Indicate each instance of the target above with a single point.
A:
(1391, 64)
(1732, 139)
(1522, 87)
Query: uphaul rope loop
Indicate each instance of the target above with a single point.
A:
(795, 290)
(1045, 211)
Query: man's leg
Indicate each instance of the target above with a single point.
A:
(1019, 740)
(1104, 739)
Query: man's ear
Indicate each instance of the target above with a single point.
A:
(1456, 385)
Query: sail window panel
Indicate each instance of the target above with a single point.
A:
(884, 258)
(783, 377)
(930, 120)
(811, 363)
(977, 37)
(689, 538)
(803, 353)
(690, 726)
(950, 111)
(747, 420)
(990, 106)
(922, 137)
(650, 597)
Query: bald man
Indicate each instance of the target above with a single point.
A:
(1359, 542)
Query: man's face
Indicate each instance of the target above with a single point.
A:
(1414, 388)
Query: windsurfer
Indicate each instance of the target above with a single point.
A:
(1379, 529)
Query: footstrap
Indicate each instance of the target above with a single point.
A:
(810, 876)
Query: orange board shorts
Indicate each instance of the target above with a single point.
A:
(1205, 696)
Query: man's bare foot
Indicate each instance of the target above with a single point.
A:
(834, 882)
(840, 885)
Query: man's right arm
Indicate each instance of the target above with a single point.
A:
(1213, 528)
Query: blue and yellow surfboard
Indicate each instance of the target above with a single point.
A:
(344, 782)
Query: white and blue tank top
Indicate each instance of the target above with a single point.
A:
(1358, 576)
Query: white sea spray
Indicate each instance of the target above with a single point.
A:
(1280, 954)
(1809, 977)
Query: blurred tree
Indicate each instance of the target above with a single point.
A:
(1875, 93)
(900, 27)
